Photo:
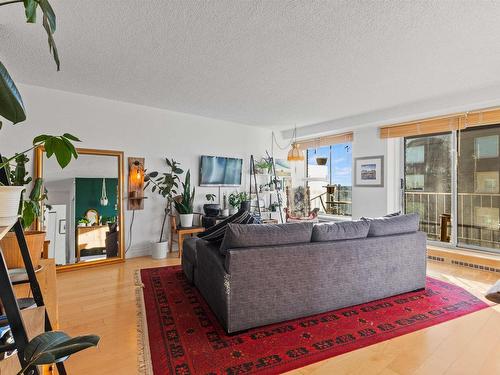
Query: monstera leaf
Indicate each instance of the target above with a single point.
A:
(11, 103)
(55, 346)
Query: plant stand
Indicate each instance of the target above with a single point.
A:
(8, 298)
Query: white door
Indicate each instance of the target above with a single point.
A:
(56, 233)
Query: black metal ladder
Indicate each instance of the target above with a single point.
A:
(8, 297)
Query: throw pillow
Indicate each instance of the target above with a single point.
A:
(344, 230)
(216, 233)
(386, 226)
(242, 236)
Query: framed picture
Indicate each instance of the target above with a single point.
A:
(369, 171)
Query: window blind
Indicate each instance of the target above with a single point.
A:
(442, 124)
(325, 141)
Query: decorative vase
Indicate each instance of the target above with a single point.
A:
(12, 252)
(10, 196)
(186, 220)
(211, 209)
(159, 250)
(321, 160)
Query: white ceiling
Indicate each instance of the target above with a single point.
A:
(264, 63)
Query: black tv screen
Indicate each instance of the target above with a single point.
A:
(220, 171)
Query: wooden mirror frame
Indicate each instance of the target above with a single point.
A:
(39, 156)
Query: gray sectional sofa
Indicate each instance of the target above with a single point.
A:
(263, 274)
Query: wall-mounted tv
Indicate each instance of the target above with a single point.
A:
(220, 171)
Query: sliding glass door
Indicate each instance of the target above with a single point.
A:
(458, 203)
(428, 183)
(478, 206)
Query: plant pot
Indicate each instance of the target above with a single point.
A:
(232, 211)
(159, 250)
(10, 196)
(245, 206)
(225, 212)
(186, 220)
(211, 209)
(321, 161)
(12, 252)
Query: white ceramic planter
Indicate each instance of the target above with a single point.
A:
(232, 211)
(159, 250)
(10, 197)
(186, 220)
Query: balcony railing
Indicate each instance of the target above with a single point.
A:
(478, 216)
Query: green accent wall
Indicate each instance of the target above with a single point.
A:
(88, 195)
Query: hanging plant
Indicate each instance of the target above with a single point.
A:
(320, 160)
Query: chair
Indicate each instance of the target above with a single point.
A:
(180, 232)
(299, 205)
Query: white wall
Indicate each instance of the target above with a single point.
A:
(138, 131)
(369, 201)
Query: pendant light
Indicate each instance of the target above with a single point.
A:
(104, 196)
(295, 153)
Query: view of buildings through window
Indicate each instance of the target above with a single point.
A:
(428, 186)
(329, 178)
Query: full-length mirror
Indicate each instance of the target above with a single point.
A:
(83, 213)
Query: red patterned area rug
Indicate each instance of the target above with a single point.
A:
(181, 335)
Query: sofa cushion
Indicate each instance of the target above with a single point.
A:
(386, 226)
(344, 230)
(216, 233)
(241, 236)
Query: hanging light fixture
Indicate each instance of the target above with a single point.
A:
(104, 196)
(295, 153)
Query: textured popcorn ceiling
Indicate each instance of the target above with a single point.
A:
(264, 63)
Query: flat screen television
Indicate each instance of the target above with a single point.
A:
(220, 171)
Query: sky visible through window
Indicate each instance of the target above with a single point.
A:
(340, 167)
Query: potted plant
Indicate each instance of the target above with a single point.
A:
(48, 347)
(166, 185)
(244, 201)
(264, 166)
(320, 160)
(234, 202)
(184, 203)
(12, 107)
(29, 206)
(211, 209)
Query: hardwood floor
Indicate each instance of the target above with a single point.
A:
(101, 300)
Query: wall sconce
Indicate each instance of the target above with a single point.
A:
(135, 183)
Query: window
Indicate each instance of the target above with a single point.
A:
(469, 214)
(329, 178)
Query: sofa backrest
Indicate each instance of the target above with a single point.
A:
(387, 226)
(345, 230)
(240, 236)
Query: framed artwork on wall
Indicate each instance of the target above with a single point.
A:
(369, 171)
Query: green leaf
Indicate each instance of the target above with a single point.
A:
(63, 154)
(50, 347)
(71, 137)
(49, 13)
(30, 10)
(40, 138)
(70, 147)
(51, 41)
(11, 103)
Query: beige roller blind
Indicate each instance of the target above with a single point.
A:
(428, 126)
(325, 141)
(490, 116)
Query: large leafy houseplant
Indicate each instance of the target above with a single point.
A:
(166, 184)
(49, 347)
